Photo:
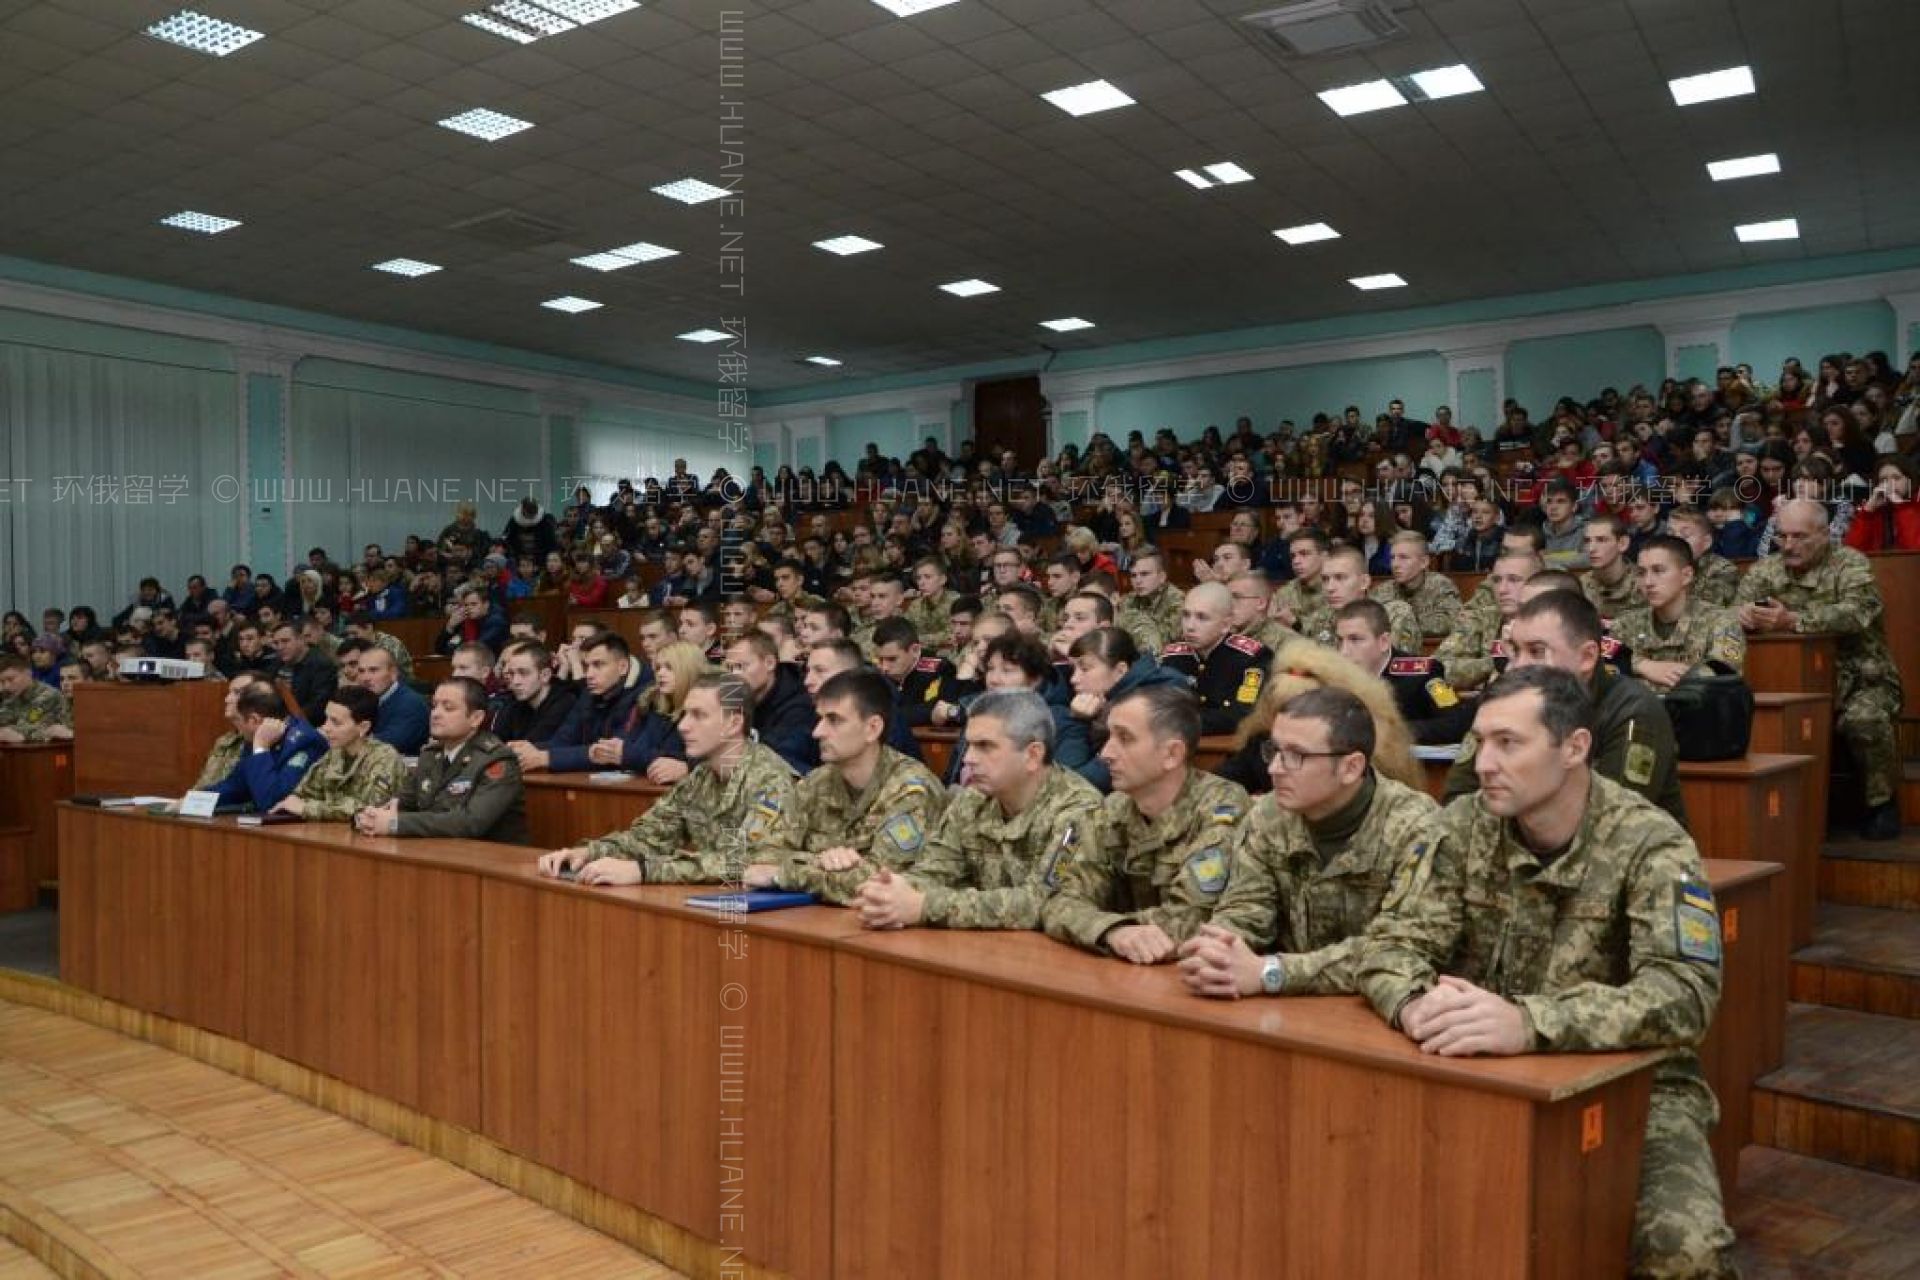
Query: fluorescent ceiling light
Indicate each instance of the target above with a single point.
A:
(487, 22)
(1357, 99)
(825, 362)
(1711, 86)
(625, 256)
(202, 34)
(1067, 324)
(690, 191)
(1224, 174)
(532, 16)
(1447, 82)
(1778, 229)
(570, 304)
(205, 223)
(969, 288)
(489, 126)
(1385, 281)
(908, 8)
(705, 335)
(406, 267)
(586, 11)
(846, 246)
(1743, 167)
(1086, 99)
(1307, 233)
(1198, 181)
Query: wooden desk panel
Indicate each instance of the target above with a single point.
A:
(1781, 663)
(1066, 1116)
(1898, 573)
(624, 623)
(1799, 724)
(144, 739)
(1755, 808)
(34, 778)
(565, 809)
(420, 634)
(1748, 1036)
(1215, 749)
(937, 747)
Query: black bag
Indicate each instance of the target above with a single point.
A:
(1712, 715)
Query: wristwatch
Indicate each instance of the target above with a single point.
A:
(1271, 979)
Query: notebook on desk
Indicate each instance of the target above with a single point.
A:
(751, 900)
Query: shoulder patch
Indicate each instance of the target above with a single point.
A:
(1245, 644)
(1208, 870)
(1609, 647)
(298, 760)
(1696, 922)
(496, 771)
(1639, 764)
(927, 664)
(1225, 814)
(768, 803)
(1061, 857)
(1412, 667)
(1442, 693)
(913, 787)
(1249, 691)
(904, 833)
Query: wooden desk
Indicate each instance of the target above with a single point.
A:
(565, 809)
(624, 623)
(1898, 573)
(144, 739)
(431, 668)
(936, 748)
(1020, 1108)
(1782, 663)
(1755, 808)
(617, 1036)
(1214, 752)
(1748, 1036)
(421, 635)
(1799, 724)
(34, 777)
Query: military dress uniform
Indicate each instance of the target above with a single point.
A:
(708, 828)
(1839, 595)
(1312, 615)
(1716, 579)
(887, 822)
(981, 869)
(1612, 944)
(473, 794)
(930, 681)
(1431, 707)
(32, 713)
(1286, 895)
(1614, 600)
(228, 749)
(340, 785)
(1227, 680)
(1164, 871)
(1633, 744)
(933, 619)
(1434, 599)
(1702, 633)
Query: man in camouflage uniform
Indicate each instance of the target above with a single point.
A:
(359, 771)
(1471, 654)
(1252, 594)
(1302, 603)
(1811, 585)
(930, 609)
(866, 807)
(1165, 839)
(1005, 843)
(1716, 579)
(1633, 738)
(466, 785)
(29, 710)
(791, 597)
(1434, 599)
(1345, 581)
(1675, 633)
(1609, 582)
(361, 627)
(705, 830)
(230, 746)
(1593, 929)
(1314, 861)
(1151, 609)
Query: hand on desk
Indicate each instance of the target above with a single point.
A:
(552, 864)
(378, 820)
(1457, 1019)
(665, 771)
(291, 804)
(611, 871)
(1214, 962)
(1141, 943)
(1767, 615)
(839, 858)
(759, 875)
(606, 751)
(529, 756)
(888, 901)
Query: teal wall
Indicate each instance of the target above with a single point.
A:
(1476, 400)
(266, 517)
(1763, 341)
(1071, 427)
(1541, 370)
(849, 434)
(1268, 395)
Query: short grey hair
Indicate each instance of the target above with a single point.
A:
(1023, 715)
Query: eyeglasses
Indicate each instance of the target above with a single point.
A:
(1291, 760)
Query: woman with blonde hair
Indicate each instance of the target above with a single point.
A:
(1302, 665)
(654, 742)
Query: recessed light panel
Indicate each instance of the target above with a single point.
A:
(1711, 86)
(969, 288)
(1358, 99)
(488, 126)
(847, 246)
(1743, 167)
(406, 267)
(1089, 98)
(1778, 229)
(202, 34)
(571, 305)
(690, 191)
(205, 223)
(1387, 280)
(1447, 82)
(1067, 324)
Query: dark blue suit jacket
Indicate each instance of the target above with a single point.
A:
(265, 778)
(402, 722)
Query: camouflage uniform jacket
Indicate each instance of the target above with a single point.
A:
(1703, 633)
(703, 830)
(887, 822)
(984, 870)
(1402, 625)
(932, 619)
(1311, 613)
(1837, 595)
(1434, 599)
(1612, 601)
(40, 708)
(227, 751)
(340, 785)
(1161, 608)
(1716, 579)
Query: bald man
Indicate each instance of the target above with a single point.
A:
(1226, 669)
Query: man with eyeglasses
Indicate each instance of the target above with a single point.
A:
(1251, 595)
(1315, 861)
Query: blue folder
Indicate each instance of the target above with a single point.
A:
(752, 900)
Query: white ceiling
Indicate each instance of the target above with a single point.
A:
(927, 134)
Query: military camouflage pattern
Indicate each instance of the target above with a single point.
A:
(1312, 615)
(228, 748)
(1163, 871)
(1146, 633)
(931, 618)
(887, 822)
(984, 870)
(1269, 632)
(1160, 608)
(393, 645)
(703, 831)
(783, 608)
(1281, 899)
(34, 712)
(1434, 599)
(340, 785)
(1613, 944)
(1612, 601)
(1702, 633)
(1716, 579)
(474, 794)
(1401, 625)
(1839, 595)
(1467, 653)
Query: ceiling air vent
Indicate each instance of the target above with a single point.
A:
(1316, 28)
(512, 229)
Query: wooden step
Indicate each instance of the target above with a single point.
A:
(1864, 958)
(1848, 1091)
(1797, 1216)
(1872, 873)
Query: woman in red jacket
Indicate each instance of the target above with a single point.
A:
(588, 589)
(1889, 520)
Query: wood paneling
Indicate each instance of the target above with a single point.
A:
(566, 809)
(1898, 573)
(34, 777)
(1783, 663)
(144, 739)
(1756, 808)
(1799, 724)
(1748, 1036)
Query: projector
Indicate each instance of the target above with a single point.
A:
(161, 669)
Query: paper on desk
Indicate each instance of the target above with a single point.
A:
(1445, 751)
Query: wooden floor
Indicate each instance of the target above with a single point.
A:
(17, 1264)
(1804, 1218)
(149, 1164)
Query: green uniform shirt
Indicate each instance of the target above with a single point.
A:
(1467, 653)
(887, 822)
(1312, 615)
(984, 870)
(1716, 579)
(1434, 599)
(1702, 633)
(1612, 601)
(39, 709)
(703, 831)
(932, 620)
(474, 794)
(340, 785)
(1160, 609)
